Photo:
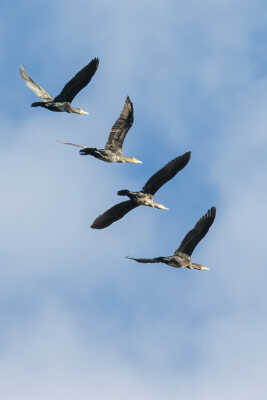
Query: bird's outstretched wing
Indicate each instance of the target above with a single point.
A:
(147, 260)
(166, 173)
(121, 127)
(194, 236)
(78, 82)
(73, 144)
(113, 214)
(37, 90)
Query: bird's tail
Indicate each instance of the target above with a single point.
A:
(37, 103)
(124, 192)
(84, 149)
(87, 150)
(150, 260)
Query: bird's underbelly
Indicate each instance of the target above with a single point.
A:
(59, 107)
(174, 264)
(178, 262)
(106, 156)
(144, 199)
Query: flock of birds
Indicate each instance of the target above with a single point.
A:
(113, 153)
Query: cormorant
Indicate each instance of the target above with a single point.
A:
(113, 149)
(182, 256)
(62, 102)
(145, 196)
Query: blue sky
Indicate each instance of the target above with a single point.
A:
(78, 319)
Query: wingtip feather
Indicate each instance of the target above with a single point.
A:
(96, 225)
(95, 61)
(213, 210)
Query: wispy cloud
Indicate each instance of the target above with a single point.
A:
(78, 319)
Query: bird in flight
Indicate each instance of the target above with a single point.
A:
(62, 102)
(113, 149)
(145, 196)
(182, 256)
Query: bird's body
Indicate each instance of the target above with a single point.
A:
(101, 154)
(57, 106)
(62, 102)
(145, 196)
(113, 149)
(141, 198)
(182, 256)
(180, 260)
(108, 155)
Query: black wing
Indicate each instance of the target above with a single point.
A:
(197, 233)
(121, 127)
(166, 173)
(113, 214)
(80, 80)
(147, 260)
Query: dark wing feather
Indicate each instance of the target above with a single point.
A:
(147, 260)
(121, 127)
(78, 82)
(113, 214)
(166, 173)
(197, 233)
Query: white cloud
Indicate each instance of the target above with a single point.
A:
(80, 320)
(51, 356)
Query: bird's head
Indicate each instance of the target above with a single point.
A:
(160, 206)
(132, 160)
(199, 267)
(203, 268)
(135, 161)
(77, 110)
(81, 111)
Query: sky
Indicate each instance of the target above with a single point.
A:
(78, 320)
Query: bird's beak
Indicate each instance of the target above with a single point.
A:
(83, 112)
(161, 207)
(203, 268)
(138, 161)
